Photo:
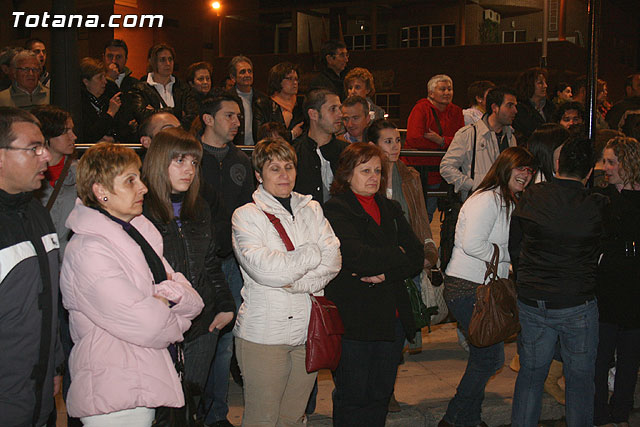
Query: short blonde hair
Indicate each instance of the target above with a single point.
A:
(269, 149)
(364, 75)
(101, 164)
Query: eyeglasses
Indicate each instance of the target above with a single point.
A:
(37, 150)
(526, 169)
(28, 70)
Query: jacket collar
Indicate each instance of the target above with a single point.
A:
(483, 127)
(14, 202)
(265, 201)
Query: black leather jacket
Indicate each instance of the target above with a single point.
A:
(142, 95)
(269, 111)
(191, 250)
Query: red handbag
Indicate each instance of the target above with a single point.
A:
(324, 337)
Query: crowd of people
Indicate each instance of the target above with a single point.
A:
(145, 279)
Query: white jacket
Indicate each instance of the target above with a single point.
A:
(455, 166)
(482, 222)
(277, 282)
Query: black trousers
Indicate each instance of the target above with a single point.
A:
(364, 380)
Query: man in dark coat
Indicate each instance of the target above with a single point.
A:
(31, 355)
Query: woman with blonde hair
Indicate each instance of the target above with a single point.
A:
(618, 285)
(359, 81)
(126, 304)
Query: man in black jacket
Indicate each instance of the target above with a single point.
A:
(334, 58)
(554, 245)
(227, 170)
(31, 351)
(318, 150)
(249, 99)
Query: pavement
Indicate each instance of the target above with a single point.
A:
(427, 381)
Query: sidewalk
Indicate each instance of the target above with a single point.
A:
(426, 382)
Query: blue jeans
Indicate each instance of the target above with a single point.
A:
(432, 202)
(465, 408)
(577, 329)
(217, 388)
(364, 380)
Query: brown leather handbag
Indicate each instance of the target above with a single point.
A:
(495, 314)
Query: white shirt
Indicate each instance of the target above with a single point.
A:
(248, 116)
(166, 92)
(326, 173)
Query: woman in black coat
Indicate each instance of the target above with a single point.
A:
(282, 106)
(618, 284)
(534, 108)
(171, 171)
(379, 250)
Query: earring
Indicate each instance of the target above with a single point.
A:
(105, 198)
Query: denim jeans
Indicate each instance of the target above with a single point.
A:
(465, 408)
(364, 381)
(625, 343)
(577, 329)
(217, 388)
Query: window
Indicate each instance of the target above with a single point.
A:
(515, 36)
(363, 41)
(390, 102)
(428, 35)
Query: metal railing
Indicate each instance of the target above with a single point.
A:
(249, 149)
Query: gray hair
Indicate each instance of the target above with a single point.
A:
(21, 56)
(235, 61)
(433, 81)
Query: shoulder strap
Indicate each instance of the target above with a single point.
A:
(473, 159)
(492, 267)
(437, 119)
(281, 231)
(59, 182)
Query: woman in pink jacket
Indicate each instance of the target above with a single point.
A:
(126, 305)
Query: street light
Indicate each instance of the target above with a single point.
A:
(216, 6)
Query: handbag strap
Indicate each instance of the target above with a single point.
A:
(59, 182)
(280, 229)
(492, 267)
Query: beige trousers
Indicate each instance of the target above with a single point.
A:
(276, 383)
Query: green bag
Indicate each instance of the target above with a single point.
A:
(421, 314)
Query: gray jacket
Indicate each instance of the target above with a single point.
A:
(455, 167)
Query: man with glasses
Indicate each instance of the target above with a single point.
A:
(26, 91)
(334, 57)
(30, 374)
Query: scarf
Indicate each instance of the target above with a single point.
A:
(287, 106)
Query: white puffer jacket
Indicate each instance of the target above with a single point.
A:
(277, 282)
